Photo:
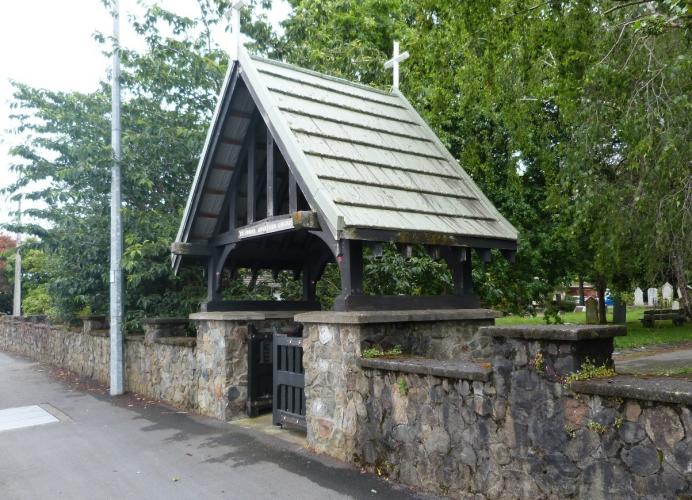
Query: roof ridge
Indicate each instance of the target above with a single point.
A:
(323, 75)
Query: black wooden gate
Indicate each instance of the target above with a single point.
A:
(289, 381)
(259, 371)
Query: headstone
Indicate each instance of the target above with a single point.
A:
(638, 297)
(591, 311)
(651, 296)
(619, 312)
(676, 305)
(579, 309)
(667, 292)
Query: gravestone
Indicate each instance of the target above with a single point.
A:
(652, 297)
(619, 312)
(667, 292)
(639, 297)
(591, 311)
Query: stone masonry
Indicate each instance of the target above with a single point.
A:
(511, 427)
(332, 346)
(206, 373)
(222, 344)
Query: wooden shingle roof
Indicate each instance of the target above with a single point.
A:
(364, 158)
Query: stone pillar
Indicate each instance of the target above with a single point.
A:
(155, 328)
(530, 366)
(334, 381)
(221, 358)
(94, 323)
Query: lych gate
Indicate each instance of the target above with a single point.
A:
(300, 169)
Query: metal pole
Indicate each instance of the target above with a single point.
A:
(17, 305)
(116, 282)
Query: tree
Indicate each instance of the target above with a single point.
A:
(7, 245)
(169, 94)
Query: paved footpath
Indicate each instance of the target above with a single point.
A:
(130, 448)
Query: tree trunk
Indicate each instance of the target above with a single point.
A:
(581, 291)
(602, 309)
(681, 279)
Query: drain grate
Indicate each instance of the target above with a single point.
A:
(24, 416)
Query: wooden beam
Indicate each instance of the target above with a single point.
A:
(427, 238)
(217, 131)
(273, 225)
(207, 215)
(251, 175)
(223, 166)
(233, 186)
(270, 174)
(190, 249)
(292, 193)
(240, 114)
(231, 141)
(213, 191)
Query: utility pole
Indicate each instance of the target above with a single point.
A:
(116, 281)
(17, 305)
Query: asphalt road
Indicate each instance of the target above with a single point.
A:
(130, 448)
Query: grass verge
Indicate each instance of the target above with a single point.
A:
(637, 335)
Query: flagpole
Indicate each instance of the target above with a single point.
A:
(116, 282)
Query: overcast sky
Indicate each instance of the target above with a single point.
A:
(49, 44)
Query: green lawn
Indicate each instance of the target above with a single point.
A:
(637, 335)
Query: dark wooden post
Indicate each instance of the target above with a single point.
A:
(467, 276)
(308, 281)
(459, 263)
(351, 266)
(251, 175)
(270, 174)
(213, 277)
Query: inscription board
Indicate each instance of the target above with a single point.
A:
(265, 227)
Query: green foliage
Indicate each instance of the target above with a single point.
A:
(596, 427)
(393, 274)
(588, 371)
(538, 362)
(403, 386)
(618, 422)
(378, 352)
(169, 93)
(571, 117)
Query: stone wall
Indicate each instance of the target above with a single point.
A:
(206, 373)
(332, 346)
(222, 343)
(509, 428)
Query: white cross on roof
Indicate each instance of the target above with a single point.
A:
(394, 63)
(234, 14)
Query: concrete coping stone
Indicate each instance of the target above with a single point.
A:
(663, 389)
(365, 317)
(242, 315)
(104, 332)
(458, 369)
(564, 333)
(177, 341)
(165, 321)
